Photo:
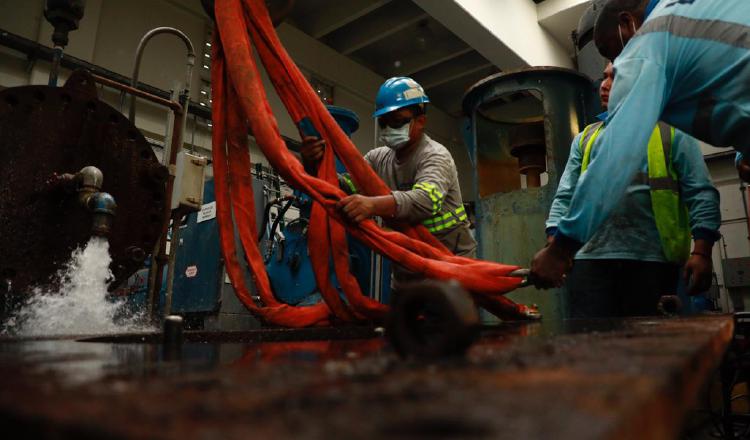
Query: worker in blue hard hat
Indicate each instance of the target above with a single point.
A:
(635, 257)
(685, 62)
(420, 171)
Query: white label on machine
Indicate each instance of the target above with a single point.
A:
(207, 212)
(191, 271)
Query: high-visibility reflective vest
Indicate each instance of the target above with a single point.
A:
(670, 212)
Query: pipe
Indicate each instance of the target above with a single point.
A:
(34, 51)
(139, 54)
(57, 54)
(175, 145)
(175, 243)
(162, 255)
(103, 207)
(88, 184)
(173, 105)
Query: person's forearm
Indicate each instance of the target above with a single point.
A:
(703, 247)
(384, 206)
(414, 206)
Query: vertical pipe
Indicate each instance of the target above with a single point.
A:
(171, 148)
(158, 260)
(153, 300)
(174, 244)
(161, 256)
(57, 54)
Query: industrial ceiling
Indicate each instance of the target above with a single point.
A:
(395, 38)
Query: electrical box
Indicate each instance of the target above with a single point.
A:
(737, 272)
(189, 179)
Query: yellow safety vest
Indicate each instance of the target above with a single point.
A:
(670, 212)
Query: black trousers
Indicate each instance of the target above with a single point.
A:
(618, 288)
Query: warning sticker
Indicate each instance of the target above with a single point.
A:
(191, 271)
(207, 212)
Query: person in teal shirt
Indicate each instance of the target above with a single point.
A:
(623, 270)
(684, 62)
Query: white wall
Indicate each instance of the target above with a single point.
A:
(109, 34)
(734, 230)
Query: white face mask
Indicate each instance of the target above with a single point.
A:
(395, 138)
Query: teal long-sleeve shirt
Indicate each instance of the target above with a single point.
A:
(688, 66)
(630, 232)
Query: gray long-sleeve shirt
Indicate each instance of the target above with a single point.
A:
(425, 186)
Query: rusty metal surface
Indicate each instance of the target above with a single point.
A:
(46, 130)
(635, 378)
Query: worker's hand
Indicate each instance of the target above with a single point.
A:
(550, 265)
(698, 273)
(356, 207)
(312, 149)
(744, 169)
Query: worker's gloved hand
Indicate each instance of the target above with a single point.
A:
(744, 169)
(312, 149)
(698, 273)
(357, 207)
(549, 266)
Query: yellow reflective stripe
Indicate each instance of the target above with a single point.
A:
(439, 223)
(583, 136)
(446, 216)
(587, 150)
(349, 183)
(432, 191)
(657, 162)
(443, 226)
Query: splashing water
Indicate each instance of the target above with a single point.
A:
(80, 306)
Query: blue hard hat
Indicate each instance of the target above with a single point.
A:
(398, 92)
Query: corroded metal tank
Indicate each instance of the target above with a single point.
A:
(519, 130)
(50, 131)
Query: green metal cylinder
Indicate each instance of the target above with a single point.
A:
(504, 111)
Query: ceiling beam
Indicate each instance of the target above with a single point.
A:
(414, 67)
(447, 76)
(374, 31)
(332, 19)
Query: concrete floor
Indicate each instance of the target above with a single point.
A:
(635, 378)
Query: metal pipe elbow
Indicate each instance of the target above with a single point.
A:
(102, 206)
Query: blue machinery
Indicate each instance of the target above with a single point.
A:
(287, 262)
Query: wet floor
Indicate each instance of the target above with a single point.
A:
(584, 380)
